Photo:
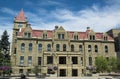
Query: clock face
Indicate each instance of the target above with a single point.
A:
(19, 25)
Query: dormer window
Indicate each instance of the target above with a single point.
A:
(92, 37)
(44, 36)
(27, 35)
(105, 38)
(75, 37)
(61, 36)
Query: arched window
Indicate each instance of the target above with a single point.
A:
(96, 48)
(40, 47)
(80, 48)
(72, 47)
(89, 48)
(22, 47)
(106, 49)
(49, 47)
(30, 47)
(57, 47)
(64, 47)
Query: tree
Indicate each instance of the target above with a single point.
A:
(4, 52)
(112, 64)
(101, 64)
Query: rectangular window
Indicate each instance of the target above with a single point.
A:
(29, 35)
(49, 59)
(29, 70)
(90, 61)
(21, 60)
(63, 36)
(29, 60)
(62, 60)
(15, 50)
(62, 72)
(74, 72)
(16, 33)
(25, 34)
(39, 60)
(74, 60)
(20, 70)
(82, 61)
(59, 36)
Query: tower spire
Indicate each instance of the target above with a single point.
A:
(21, 16)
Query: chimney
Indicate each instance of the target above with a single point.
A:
(88, 28)
(56, 27)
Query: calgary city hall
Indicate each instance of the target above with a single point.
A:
(56, 52)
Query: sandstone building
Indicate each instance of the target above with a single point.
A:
(57, 51)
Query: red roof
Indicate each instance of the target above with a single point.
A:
(21, 16)
(81, 35)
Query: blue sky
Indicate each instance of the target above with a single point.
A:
(76, 15)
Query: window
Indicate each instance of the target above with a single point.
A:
(15, 50)
(62, 72)
(21, 60)
(22, 47)
(20, 70)
(40, 47)
(16, 33)
(39, 60)
(105, 38)
(75, 37)
(30, 47)
(74, 60)
(29, 35)
(57, 47)
(49, 47)
(106, 49)
(74, 72)
(49, 59)
(72, 47)
(29, 60)
(19, 25)
(80, 48)
(44, 36)
(62, 60)
(29, 70)
(64, 47)
(82, 61)
(92, 37)
(90, 61)
(61, 36)
(89, 48)
(96, 48)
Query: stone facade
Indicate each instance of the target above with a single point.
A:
(57, 51)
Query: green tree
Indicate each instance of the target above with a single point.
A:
(101, 64)
(112, 64)
(4, 51)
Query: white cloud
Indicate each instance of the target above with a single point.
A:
(8, 11)
(99, 19)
